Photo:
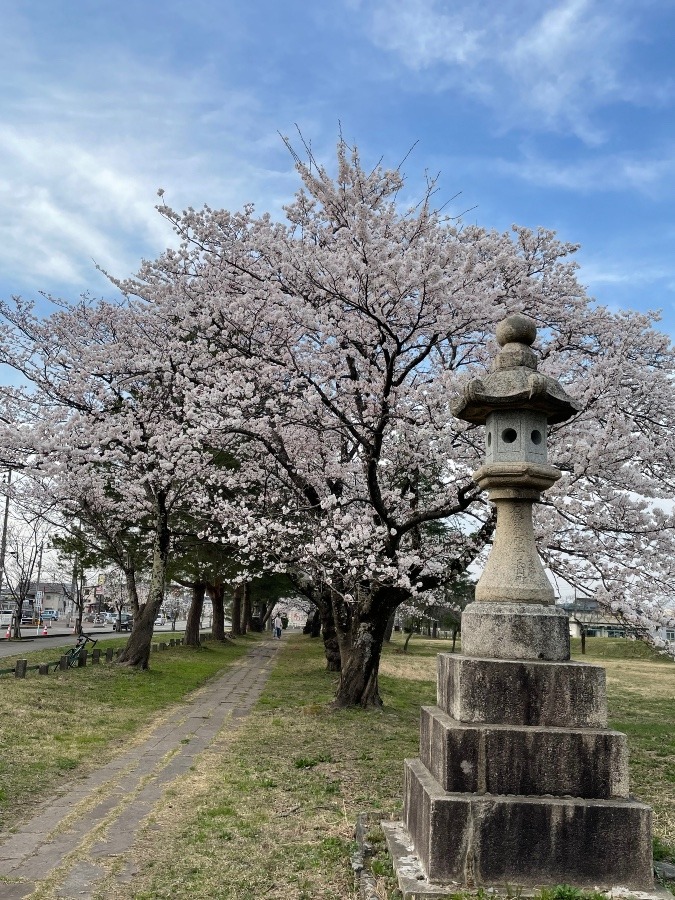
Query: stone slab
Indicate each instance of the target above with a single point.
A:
(498, 840)
(522, 692)
(665, 870)
(515, 631)
(528, 760)
(414, 884)
(17, 891)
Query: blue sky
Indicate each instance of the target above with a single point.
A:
(553, 113)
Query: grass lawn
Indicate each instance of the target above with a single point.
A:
(270, 812)
(66, 722)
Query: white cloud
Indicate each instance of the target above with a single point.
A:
(603, 172)
(81, 164)
(540, 65)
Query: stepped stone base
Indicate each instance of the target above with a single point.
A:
(522, 692)
(507, 759)
(414, 884)
(496, 840)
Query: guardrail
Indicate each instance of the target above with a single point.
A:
(21, 666)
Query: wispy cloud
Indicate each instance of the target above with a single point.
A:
(81, 166)
(540, 65)
(602, 173)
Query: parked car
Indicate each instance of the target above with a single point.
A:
(110, 618)
(50, 614)
(161, 619)
(124, 623)
(31, 620)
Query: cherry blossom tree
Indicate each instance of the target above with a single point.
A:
(332, 345)
(323, 353)
(101, 431)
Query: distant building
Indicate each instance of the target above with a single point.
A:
(588, 615)
(55, 595)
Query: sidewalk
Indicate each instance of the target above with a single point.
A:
(77, 842)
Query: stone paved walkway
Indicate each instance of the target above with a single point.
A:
(78, 837)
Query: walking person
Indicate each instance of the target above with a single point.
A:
(277, 627)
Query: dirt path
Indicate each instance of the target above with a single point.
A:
(79, 840)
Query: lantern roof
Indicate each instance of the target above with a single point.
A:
(514, 382)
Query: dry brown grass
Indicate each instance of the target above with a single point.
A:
(268, 812)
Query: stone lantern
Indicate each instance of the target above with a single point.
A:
(519, 781)
(516, 404)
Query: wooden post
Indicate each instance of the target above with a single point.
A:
(109, 654)
(20, 668)
(44, 669)
(95, 656)
(63, 663)
(82, 659)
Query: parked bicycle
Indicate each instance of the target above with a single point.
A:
(77, 651)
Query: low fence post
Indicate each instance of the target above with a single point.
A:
(44, 669)
(63, 663)
(95, 656)
(20, 668)
(109, 654)
(82, 658)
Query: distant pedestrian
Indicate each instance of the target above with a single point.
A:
(277, 627)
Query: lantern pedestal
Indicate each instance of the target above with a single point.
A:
(519, 783)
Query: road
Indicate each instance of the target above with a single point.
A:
(64, 637)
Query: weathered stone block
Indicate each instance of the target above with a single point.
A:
(513, 759)
(434, 824)
(522, 692)
(497, 840)
(515, 631)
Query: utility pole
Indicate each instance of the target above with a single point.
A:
(37, 606)
(3, 543)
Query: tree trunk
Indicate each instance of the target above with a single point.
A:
(331, 646)
(267, 614)
(315, 625)
(137, 651)
(246, 610)
(217, 595)
(390, 627)
(236, 609)
(194, 617)
(18, 613)
(132, 591)
(455, 632)
(360, 651)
